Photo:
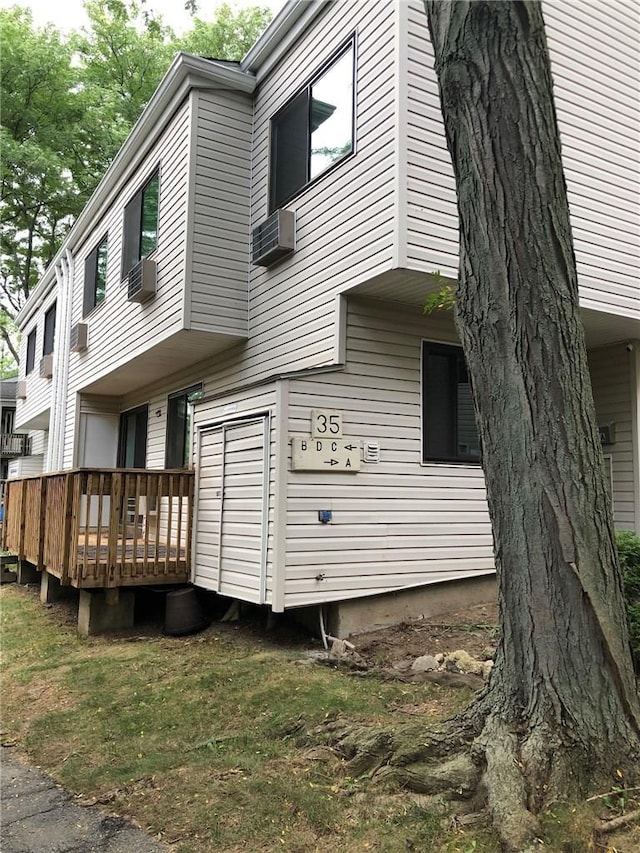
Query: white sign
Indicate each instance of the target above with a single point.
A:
(325, 454)
(326, 423)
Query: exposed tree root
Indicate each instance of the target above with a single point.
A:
(479, 758)
(506, 787)
(617, 823)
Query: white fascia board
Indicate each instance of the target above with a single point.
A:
(37, 297)
(288, 25)
(186, 72)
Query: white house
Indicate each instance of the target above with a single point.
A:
(243, 296)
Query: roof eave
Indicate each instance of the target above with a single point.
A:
(267, 49)
(185, 73)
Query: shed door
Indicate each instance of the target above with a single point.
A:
(231, 514)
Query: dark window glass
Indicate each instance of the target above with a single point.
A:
(313, 130)
(95, 277)
(178, 449)
(132, 439)
(149, 225)
(31, 352)
(141, 224)
(289, 146)
(8, 418)
(49, 330)
(449, 427)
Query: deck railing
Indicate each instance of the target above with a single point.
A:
(14, 444)
(103, 527)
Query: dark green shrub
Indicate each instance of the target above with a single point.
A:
(629, 555)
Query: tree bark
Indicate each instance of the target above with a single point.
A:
(563, 684)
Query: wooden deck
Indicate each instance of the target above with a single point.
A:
(103, 528)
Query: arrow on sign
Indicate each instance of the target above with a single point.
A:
(331, 462)
(351, 447)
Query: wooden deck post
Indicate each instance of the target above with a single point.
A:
(190, 511)
(23, 519)
(111, 574)
(41, 522)
(66, 539)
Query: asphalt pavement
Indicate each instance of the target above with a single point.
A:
(38, 816)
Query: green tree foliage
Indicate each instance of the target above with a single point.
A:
(68, 104)
(122, 56)
(629, 555)
(231, 34)
(39, 111)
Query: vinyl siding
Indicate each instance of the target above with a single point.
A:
(431, 217)
(119, 330)
(594, 58)
(220, 214)
(593, 49)
(344, 221)
(39, 439)
(25, 466)
(231, 408)
(611, 379)
(396, 523)
(38, 400)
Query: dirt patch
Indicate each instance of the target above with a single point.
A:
(474, 629)
(391, 649)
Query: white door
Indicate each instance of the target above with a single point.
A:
(231, 511)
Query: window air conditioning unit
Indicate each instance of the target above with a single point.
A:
(78, 337)
(46, 366)
(275, 238)
(21, 389)
(607, 433)
(142, 281)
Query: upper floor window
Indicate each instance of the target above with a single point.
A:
(314, 130)
(7, 420)
(179, 411)
(95, 277)
(49, 330)
(31, 352)
(141, 224)
(449, 431)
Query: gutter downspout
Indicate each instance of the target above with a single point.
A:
(55, 450)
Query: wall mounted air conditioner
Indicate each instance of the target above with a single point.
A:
(275, 238)
(607, 433)
(78, 337)
(142, 281)
(21, 389)
(46, 366)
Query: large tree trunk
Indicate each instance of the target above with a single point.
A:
(562, 699)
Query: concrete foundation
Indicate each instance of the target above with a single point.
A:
(8, 566)
(52, 590)
(7, 575)
(358, 615)
(101, 611)
(27, 573)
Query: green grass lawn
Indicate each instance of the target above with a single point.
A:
(204, 740)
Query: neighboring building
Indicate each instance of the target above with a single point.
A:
(13, 445)
(243, 294)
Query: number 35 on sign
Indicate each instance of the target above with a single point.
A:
(326, 423)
